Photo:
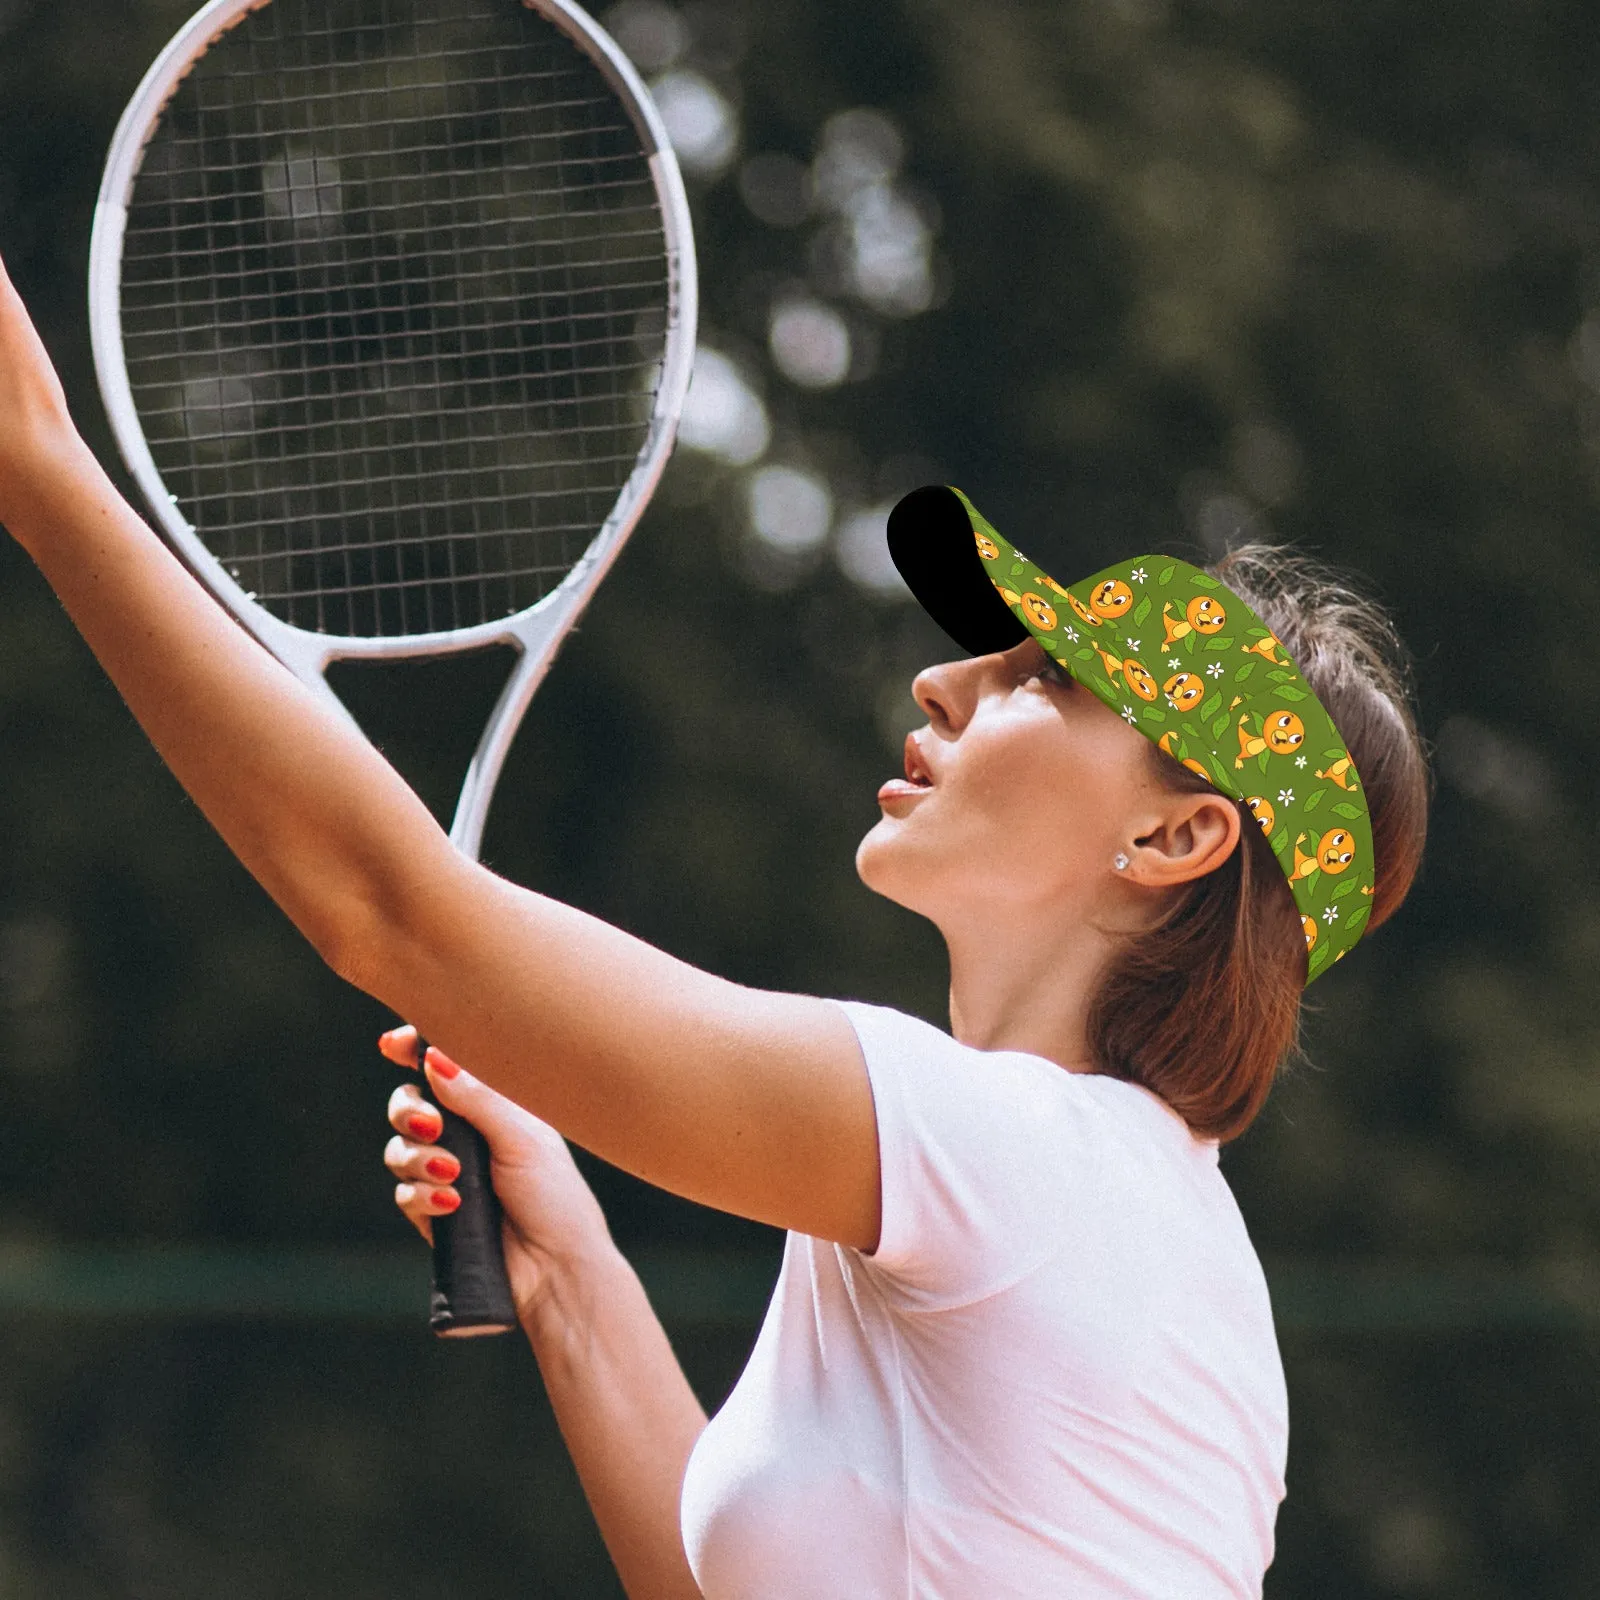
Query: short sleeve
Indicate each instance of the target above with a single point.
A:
(978, 1154)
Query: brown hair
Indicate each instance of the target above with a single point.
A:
(1204, 1008)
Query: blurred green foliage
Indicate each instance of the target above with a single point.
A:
(1166, 273)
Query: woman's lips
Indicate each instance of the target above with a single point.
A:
(918, 780)
(900, 789)
(916, 768)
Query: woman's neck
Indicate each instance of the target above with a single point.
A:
(1026, 988)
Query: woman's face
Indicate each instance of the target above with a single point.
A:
(1017, 795)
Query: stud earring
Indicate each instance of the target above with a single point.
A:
(1120, 860)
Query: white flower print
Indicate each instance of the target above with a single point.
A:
(1286, 797)
(1174, 663)
(1133, 645)
(1299, 761)
(1330, 915)
(1137, 574)
(1071, 633)
(1214, 670)
(1130, 716)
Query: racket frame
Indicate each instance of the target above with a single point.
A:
(536, 633)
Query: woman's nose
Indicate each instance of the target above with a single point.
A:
(949, 692)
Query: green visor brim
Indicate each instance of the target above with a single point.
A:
(1187, 662)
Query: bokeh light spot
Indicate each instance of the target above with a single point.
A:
(722, 415)
(858, 150)
(790, 509)
(861, 548)
(700, 122)
(653, 36)
(810, 343)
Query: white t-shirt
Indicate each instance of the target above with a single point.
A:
(1055, 1379)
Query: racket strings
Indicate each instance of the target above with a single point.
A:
(394, 305)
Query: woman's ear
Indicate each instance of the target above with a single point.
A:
(1195, 835)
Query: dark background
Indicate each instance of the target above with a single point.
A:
(1166, 275)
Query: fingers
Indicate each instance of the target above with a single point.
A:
(399, 1045)
(420, 1203)
(454, 1089)
(423, 1202)
(420, 1163)
(514, 1133)
(490, 1113)
(413, 1116)
(425, 1170)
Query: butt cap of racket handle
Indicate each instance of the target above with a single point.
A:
(471, 1292)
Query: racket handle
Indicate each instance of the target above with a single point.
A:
(471, 1292)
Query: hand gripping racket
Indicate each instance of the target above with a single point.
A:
(393, 307)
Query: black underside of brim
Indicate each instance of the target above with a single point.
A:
(931, 541)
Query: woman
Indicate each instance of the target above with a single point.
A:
(1021, 1345)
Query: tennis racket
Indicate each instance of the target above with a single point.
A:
(393, 308)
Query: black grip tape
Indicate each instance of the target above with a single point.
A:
(471, 1292)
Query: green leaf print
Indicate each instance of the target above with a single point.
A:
(1279, 840)
(1334, 754)
(1209, 709)
(1313, 800)
(1347, 887)
(1319, 959)
(1241, 673)
(1166, 577)
(1345, 809)
(1142, 610)
(1083, 653)
(1280, 675)
(1357, 917)
(1219, 644)
(1256, 633)
(1202, 580)
(1286, 691)
(1154, 714)
(1189, 642)
(1220, 726)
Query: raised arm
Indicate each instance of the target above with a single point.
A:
(754, 1103)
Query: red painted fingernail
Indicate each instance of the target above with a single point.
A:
(442, 1064)
(447, 1199)
(444, 1168)
(424, 1127)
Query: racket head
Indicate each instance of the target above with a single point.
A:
(393, 306)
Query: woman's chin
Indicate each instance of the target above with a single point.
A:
(883, 860)
(876, 842)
